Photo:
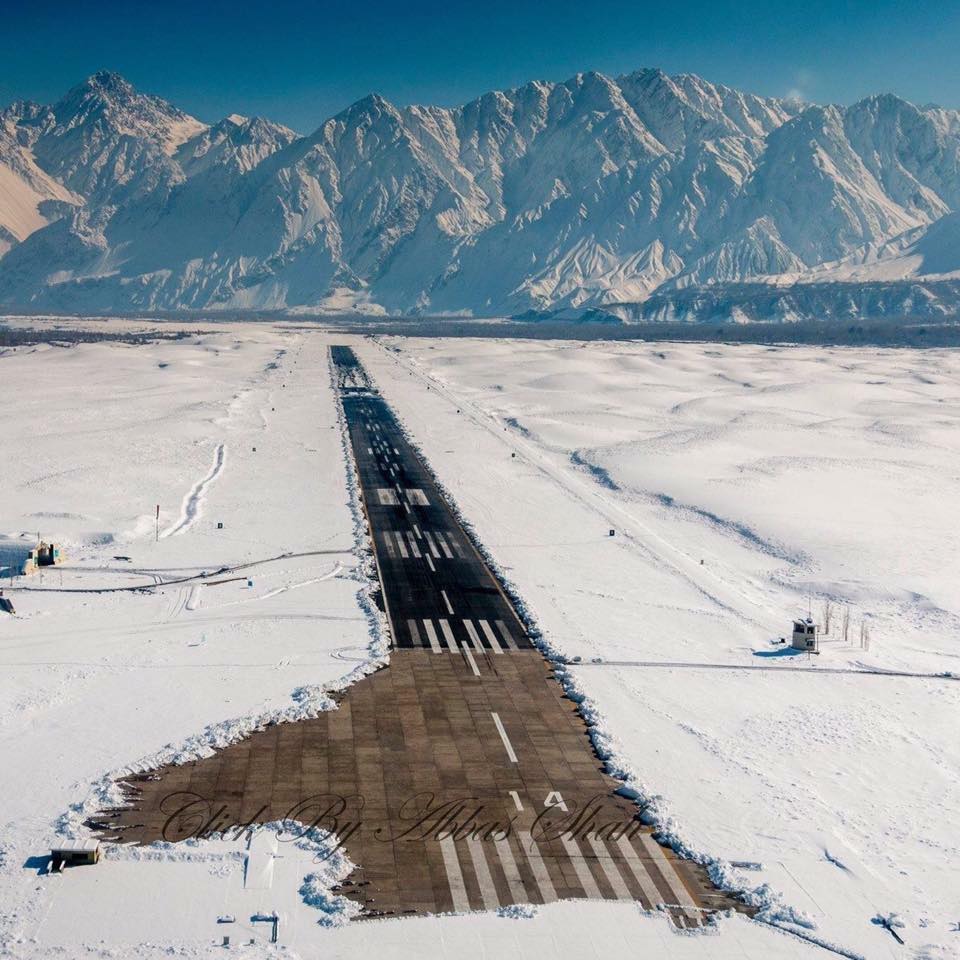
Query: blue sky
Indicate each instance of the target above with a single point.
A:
(300, 63)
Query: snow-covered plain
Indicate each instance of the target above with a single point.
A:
(822, 480)
(795, 475)
(238, 427)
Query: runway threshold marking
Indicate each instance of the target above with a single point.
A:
(539, 869)
(451, 864)
(639, 871)
(443, 545)
(584, 875)
(432, 636)
(609, 869)
(491, 637)
(511, 872)
(388, 543)
(679, 891)
(507, 636)
(432, 544)
(412, 540)
(498, 723)
(449, 637)
(415, 633)
(487, 890)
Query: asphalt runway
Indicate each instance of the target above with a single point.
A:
(459, 777)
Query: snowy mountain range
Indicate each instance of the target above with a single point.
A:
(643, 195)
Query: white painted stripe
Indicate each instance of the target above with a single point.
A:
(416, 530)
(639, 870)
(415, 633)
(472, 633)
(470, 660)
(443, 544)
(388, 543)
(548, 892)
(412, 540)
(516, 799)
(503, 736)
(507, 636)
(487, 890)
(370, 451)
(432, 636)
(429, 561)
(584, 875)
(399, 538)
(433, 546)
(491, 637)
(446, 600)
(675, 884)
(609, 869)
(449, 637)
(396, 451)
(458, 889)
(455, 543)
(510, 871)
(406, 506)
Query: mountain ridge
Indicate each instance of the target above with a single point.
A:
(592, 193)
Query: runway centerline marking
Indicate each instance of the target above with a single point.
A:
(470, 660)
(446, 600)
(498, 723)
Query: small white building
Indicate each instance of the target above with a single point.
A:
(806, 636)
(20, 558)
(74, 854)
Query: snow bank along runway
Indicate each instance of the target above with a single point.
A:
(458, 778)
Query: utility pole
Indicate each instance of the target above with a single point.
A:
(158, 523)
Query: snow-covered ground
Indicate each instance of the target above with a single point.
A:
(831, 473)
(746, 485)
(237, 428)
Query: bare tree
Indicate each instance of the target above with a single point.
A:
(846, 622)
(827, 615)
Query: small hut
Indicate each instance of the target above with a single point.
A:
(21, 558)
(74, 854)
(806, 636)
